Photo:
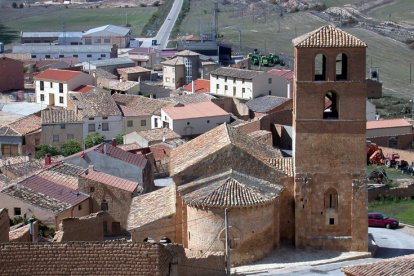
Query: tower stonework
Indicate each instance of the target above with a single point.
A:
(329, 141)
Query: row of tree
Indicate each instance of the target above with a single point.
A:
(73, 146)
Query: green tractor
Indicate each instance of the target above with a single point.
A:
(274, 59)
(264, 61)
(254, 58)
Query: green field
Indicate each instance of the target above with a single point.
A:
(75, 19)
(403, 210)
(397, 11)
(394, 175)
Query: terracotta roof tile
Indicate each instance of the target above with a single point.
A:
(59, 116)
(229, 189)
(150, 106)
(200, 86)
(111, 180)
(134, 69)
(190, 98)
(195, 110)
(22, 126)
(390, 123)
(95, 103)
(158, 134)
(283, 164)
(327, 37)
(57, 75)
(286, 74)
(84, 88)
(132, 112)
(117, 153)
(236, 73)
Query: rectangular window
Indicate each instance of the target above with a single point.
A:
(33, 56)
(98, 40)
(107, 40)
(103, 55)
(60, 87)
(143, 122)
(105, 126)
(104, 205)
(61, 100)
(104, 118)
(91, 127)
(130, 123)
(269, 80)
(42, 86)
(217, 86)
(243, 90)
(62, 126)
(242, 80)
(55, 138)
(225, 78)
(79, 207)
(91, 189)
(234, 91)
(75, 56)
(331, 221)
(47, 56)
(51, 84)
(61, 56)
(225, 87)
(91, 118)
(70, 137)
(42, 97)
(17, 211)
(88, 56)
(88, 41)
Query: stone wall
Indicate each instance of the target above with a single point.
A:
(22, 234)
(384, 192)
(4, 225)
(404, 141)
(156, 230)
(110, 258)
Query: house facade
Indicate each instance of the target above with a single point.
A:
(107, 35)
(283, 82)
(241, 83)
(183, 68)
(53, 86)
(134, 120)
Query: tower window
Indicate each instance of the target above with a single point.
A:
(331, 199)
(320, 67)
(330, 108)
(341, 67)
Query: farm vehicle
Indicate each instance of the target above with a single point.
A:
(270, 60)
(375, 156)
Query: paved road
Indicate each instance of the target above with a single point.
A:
(391, 243)
(165, 31)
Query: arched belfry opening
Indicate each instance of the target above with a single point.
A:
(320, 67)
(331, 106)
(341, 67)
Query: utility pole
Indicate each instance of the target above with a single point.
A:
(410, 73)
(240, 48)
(226, 225)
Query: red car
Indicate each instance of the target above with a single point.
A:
(381, 220)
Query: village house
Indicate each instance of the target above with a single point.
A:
(393, 133)
(110, 159)
(268, 105)
(107, 35)
(193, 119)
(241, 83)
(150, 137)
(53, 86)
(60, 126)
(83, 52)
(136, 73)
(147, 105)
(11, 74)
(134, 119)
(109, 65)
(102, 77)
(283, 82)
(145, 57)
(21, 136)
(123, 87)
(111, 194)
(270, 199)
(98, 112)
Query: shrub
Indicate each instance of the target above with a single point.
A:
(93, 139)
(70, 147)
(42, 150)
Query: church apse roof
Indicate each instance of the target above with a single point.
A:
(328, 37)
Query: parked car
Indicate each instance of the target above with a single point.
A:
(381, 220)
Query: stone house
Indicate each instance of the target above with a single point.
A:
(111, 194)
(134, 119)
(60, 126)
(53, 85)
(123, 87)
(11, 74)
(136, 73)
(145, 57)
(150, 137)
(98, 112)
(271, 199)
(21, 136)
(107, 35)
(241, 83)
(147, 105)
(193, 119)
(114, 161)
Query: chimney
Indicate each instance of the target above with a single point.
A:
(48, 159)
(113, 143)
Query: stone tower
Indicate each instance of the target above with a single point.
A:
(329, 140)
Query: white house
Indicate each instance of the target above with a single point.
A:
(193, 119)
(241, 83)
(53, 85)
(283, 84)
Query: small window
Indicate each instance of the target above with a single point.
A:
(42, 97)
(79, 207)
(234, 80)
(61, 56)
(61, 100)
(104, 205)
(60, 87)
(143, 122)
(270, 92)
(269, 80)
(242, 80)
(104, 118)
(331, 199)
(91, 189)
(130, 123)
(91, 118)
(107, 40)
(103, 55)
(17, 211)
(70, 137)
(89, 56)
(98, 40)
(62, 126)
(225, 78)
(33, 56)
(234, 91)
(42, 85)
(75, 56)
(331, 221)
(51, 84)
(55, 138)
(208, 121)
(47, 56)
(91, 127)
(188, 123)
(243, 90)
(226, 87)
(105, 126)
(217, 86)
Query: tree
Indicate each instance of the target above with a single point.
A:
(119, 139)
(70, 147)
(42, 150)
(93, 139)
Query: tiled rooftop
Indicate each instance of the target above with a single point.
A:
(130, 70)
(117, 153)
(59, 116)
(123, 86)
(151, 207)
(283, 164)
(229, 189)
(266, 103)
(111, 180)
(236, 73)
(388, 123)
(195, 110)
(186, 53)
(157, 134)
(286, 74)
(63, 174)
(173, 61)
(150, 106)
(58, 75)
(131, 112)
(128, 147)
(200, 86)
(24, 168)
(22, 126)
(190, 98)
(328, 37)
(84, 88)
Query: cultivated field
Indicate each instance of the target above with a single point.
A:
(73, 18)
(267, 31)
(401, 11)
